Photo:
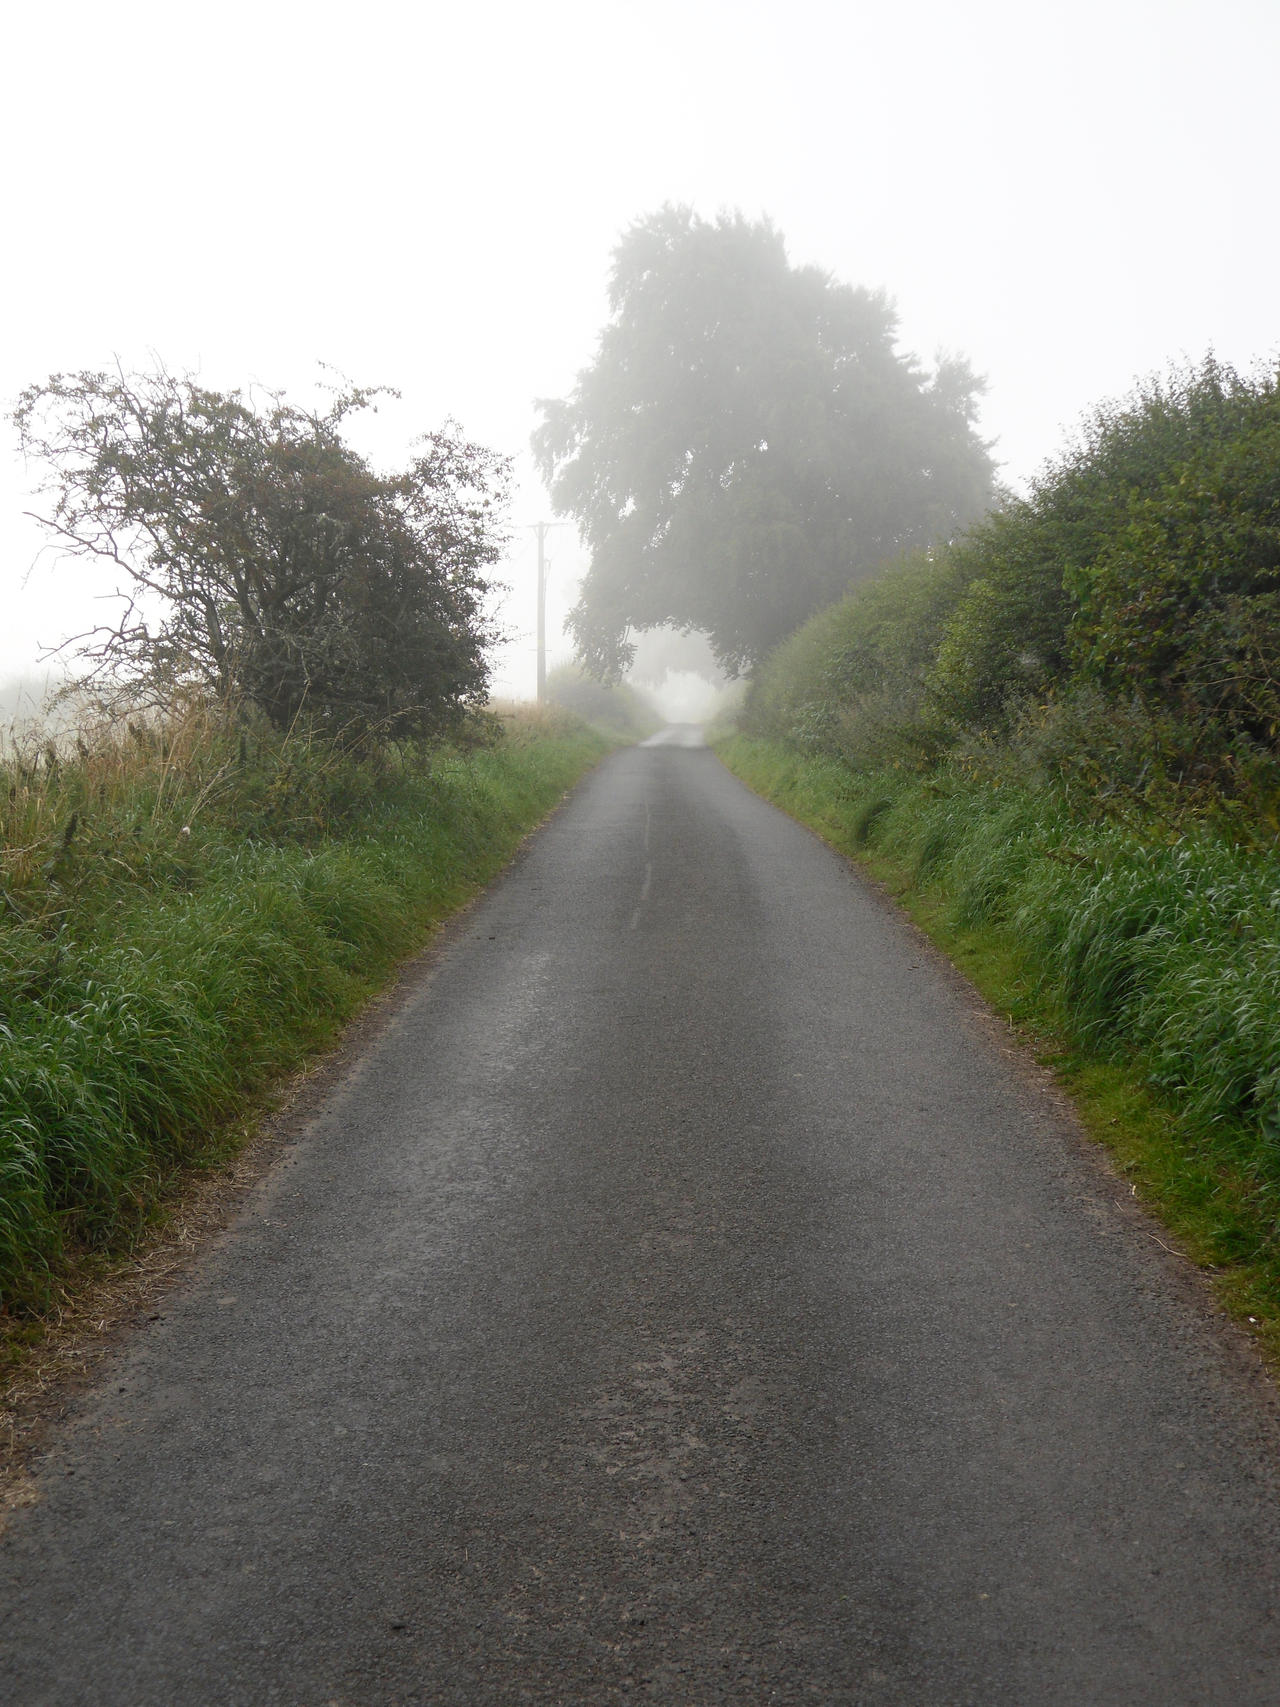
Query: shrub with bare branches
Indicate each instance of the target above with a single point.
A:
(267, 562)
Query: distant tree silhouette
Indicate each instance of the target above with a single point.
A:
(747, 442)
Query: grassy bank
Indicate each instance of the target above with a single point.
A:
(188, 911)
(1145, 962)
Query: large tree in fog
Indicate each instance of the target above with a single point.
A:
(747, 442)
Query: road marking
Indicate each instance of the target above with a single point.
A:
(644, 894)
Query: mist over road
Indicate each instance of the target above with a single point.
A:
(690, 1299)
(676, 735)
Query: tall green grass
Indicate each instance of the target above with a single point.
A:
(1152, 946)
(186, 912)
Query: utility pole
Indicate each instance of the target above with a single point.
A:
(542, 529)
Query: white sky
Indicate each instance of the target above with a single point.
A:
(1070, 194)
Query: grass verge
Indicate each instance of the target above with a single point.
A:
(187, 915)
(1144, 969)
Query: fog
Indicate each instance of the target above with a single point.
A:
(1072, 195)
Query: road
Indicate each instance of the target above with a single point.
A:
(689, 1296)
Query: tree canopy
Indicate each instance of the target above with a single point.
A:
(747, 442)
(269, 562)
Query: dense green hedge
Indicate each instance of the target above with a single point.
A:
(1136, 588)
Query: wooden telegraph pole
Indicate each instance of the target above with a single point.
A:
(542, 529)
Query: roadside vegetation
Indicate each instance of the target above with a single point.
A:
(616, 709)
(190, 910)
(262, 561)
(290, 777)
(1058, 739)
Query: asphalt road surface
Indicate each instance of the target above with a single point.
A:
(688, 1298)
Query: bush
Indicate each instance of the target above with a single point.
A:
(613, 707)
(851, 682)
(1146, 558)
(277, 568)
(1181, 605)
(1005, 641)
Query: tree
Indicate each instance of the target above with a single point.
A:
(269, 562)
(1145, 559)
(747, 442)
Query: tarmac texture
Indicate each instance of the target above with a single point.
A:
(689, 1297)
